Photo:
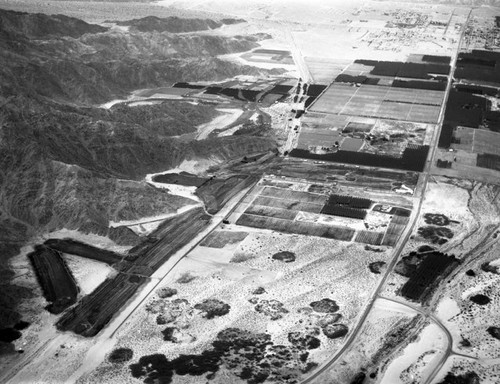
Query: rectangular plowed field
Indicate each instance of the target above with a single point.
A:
(334, 98)
(74, 247)
(419, 105)
(394, 110)
(426, 277)
(301, 228)
(58, 285)
(339, 210)
(486, 160)
(359, 106)
(288, 204)
(94, 311)
(349, 201)
(424, 113)
(369, 237)
(400, 220)
(486, 142)
(400, 94)
(316, 137)
(279, 213)
(219, 239)
(173, 234)
(392, 234)
(304, 197)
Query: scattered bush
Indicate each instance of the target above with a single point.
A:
(304, 341)
(285, 256)
(487, 267)
(333, 331)
(259, 291)
(495, 332)
(213, 308)
(242, 257)
(185, 278)
(272, 308)
(120, 355)
(325, 306)
(480, 299)
(377, 266)
(167, 292)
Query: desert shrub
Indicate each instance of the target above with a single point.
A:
(242, 257)
(167, 292)
(185, 278)
(120, 355)
(213, 308)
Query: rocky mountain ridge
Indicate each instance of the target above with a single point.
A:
(175, 24)
(64, 162)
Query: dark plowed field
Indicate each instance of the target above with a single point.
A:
(301, 228)
(261, 210)
(94, 311)
(292, 205)
(172, 235)
(369, 237)
(77, 248)
(58, 284)
(216, 193)
(427, 276)
(413, 159)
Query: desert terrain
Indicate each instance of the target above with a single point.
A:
(249, 192)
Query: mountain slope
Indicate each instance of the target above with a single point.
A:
(40, 26)
(175, 24)
(65, 163)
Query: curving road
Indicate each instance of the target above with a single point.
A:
(420, 191)
(25, 370)
(426, 312)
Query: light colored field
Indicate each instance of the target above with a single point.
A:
(350, 144)
(317, 137)
(89, 274)
(463, 165)
(334, 98)
(325, 70)
(162, 92)
(486, 142)
(380, 102)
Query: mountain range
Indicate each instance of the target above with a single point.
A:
(65, 162)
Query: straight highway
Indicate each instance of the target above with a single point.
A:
(398, 249)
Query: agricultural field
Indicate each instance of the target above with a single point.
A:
(324, 242)
(57, 283)
(377, 136)
(403, 104)
(74, 247)
(132, 270)
(376, 113)
(323, 70)
(469, 137)
(306, 209)
(413, 158)
(327, 177)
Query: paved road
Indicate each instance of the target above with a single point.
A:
(104, 341)
(297, 55)
(420, 191)
(426, 312)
